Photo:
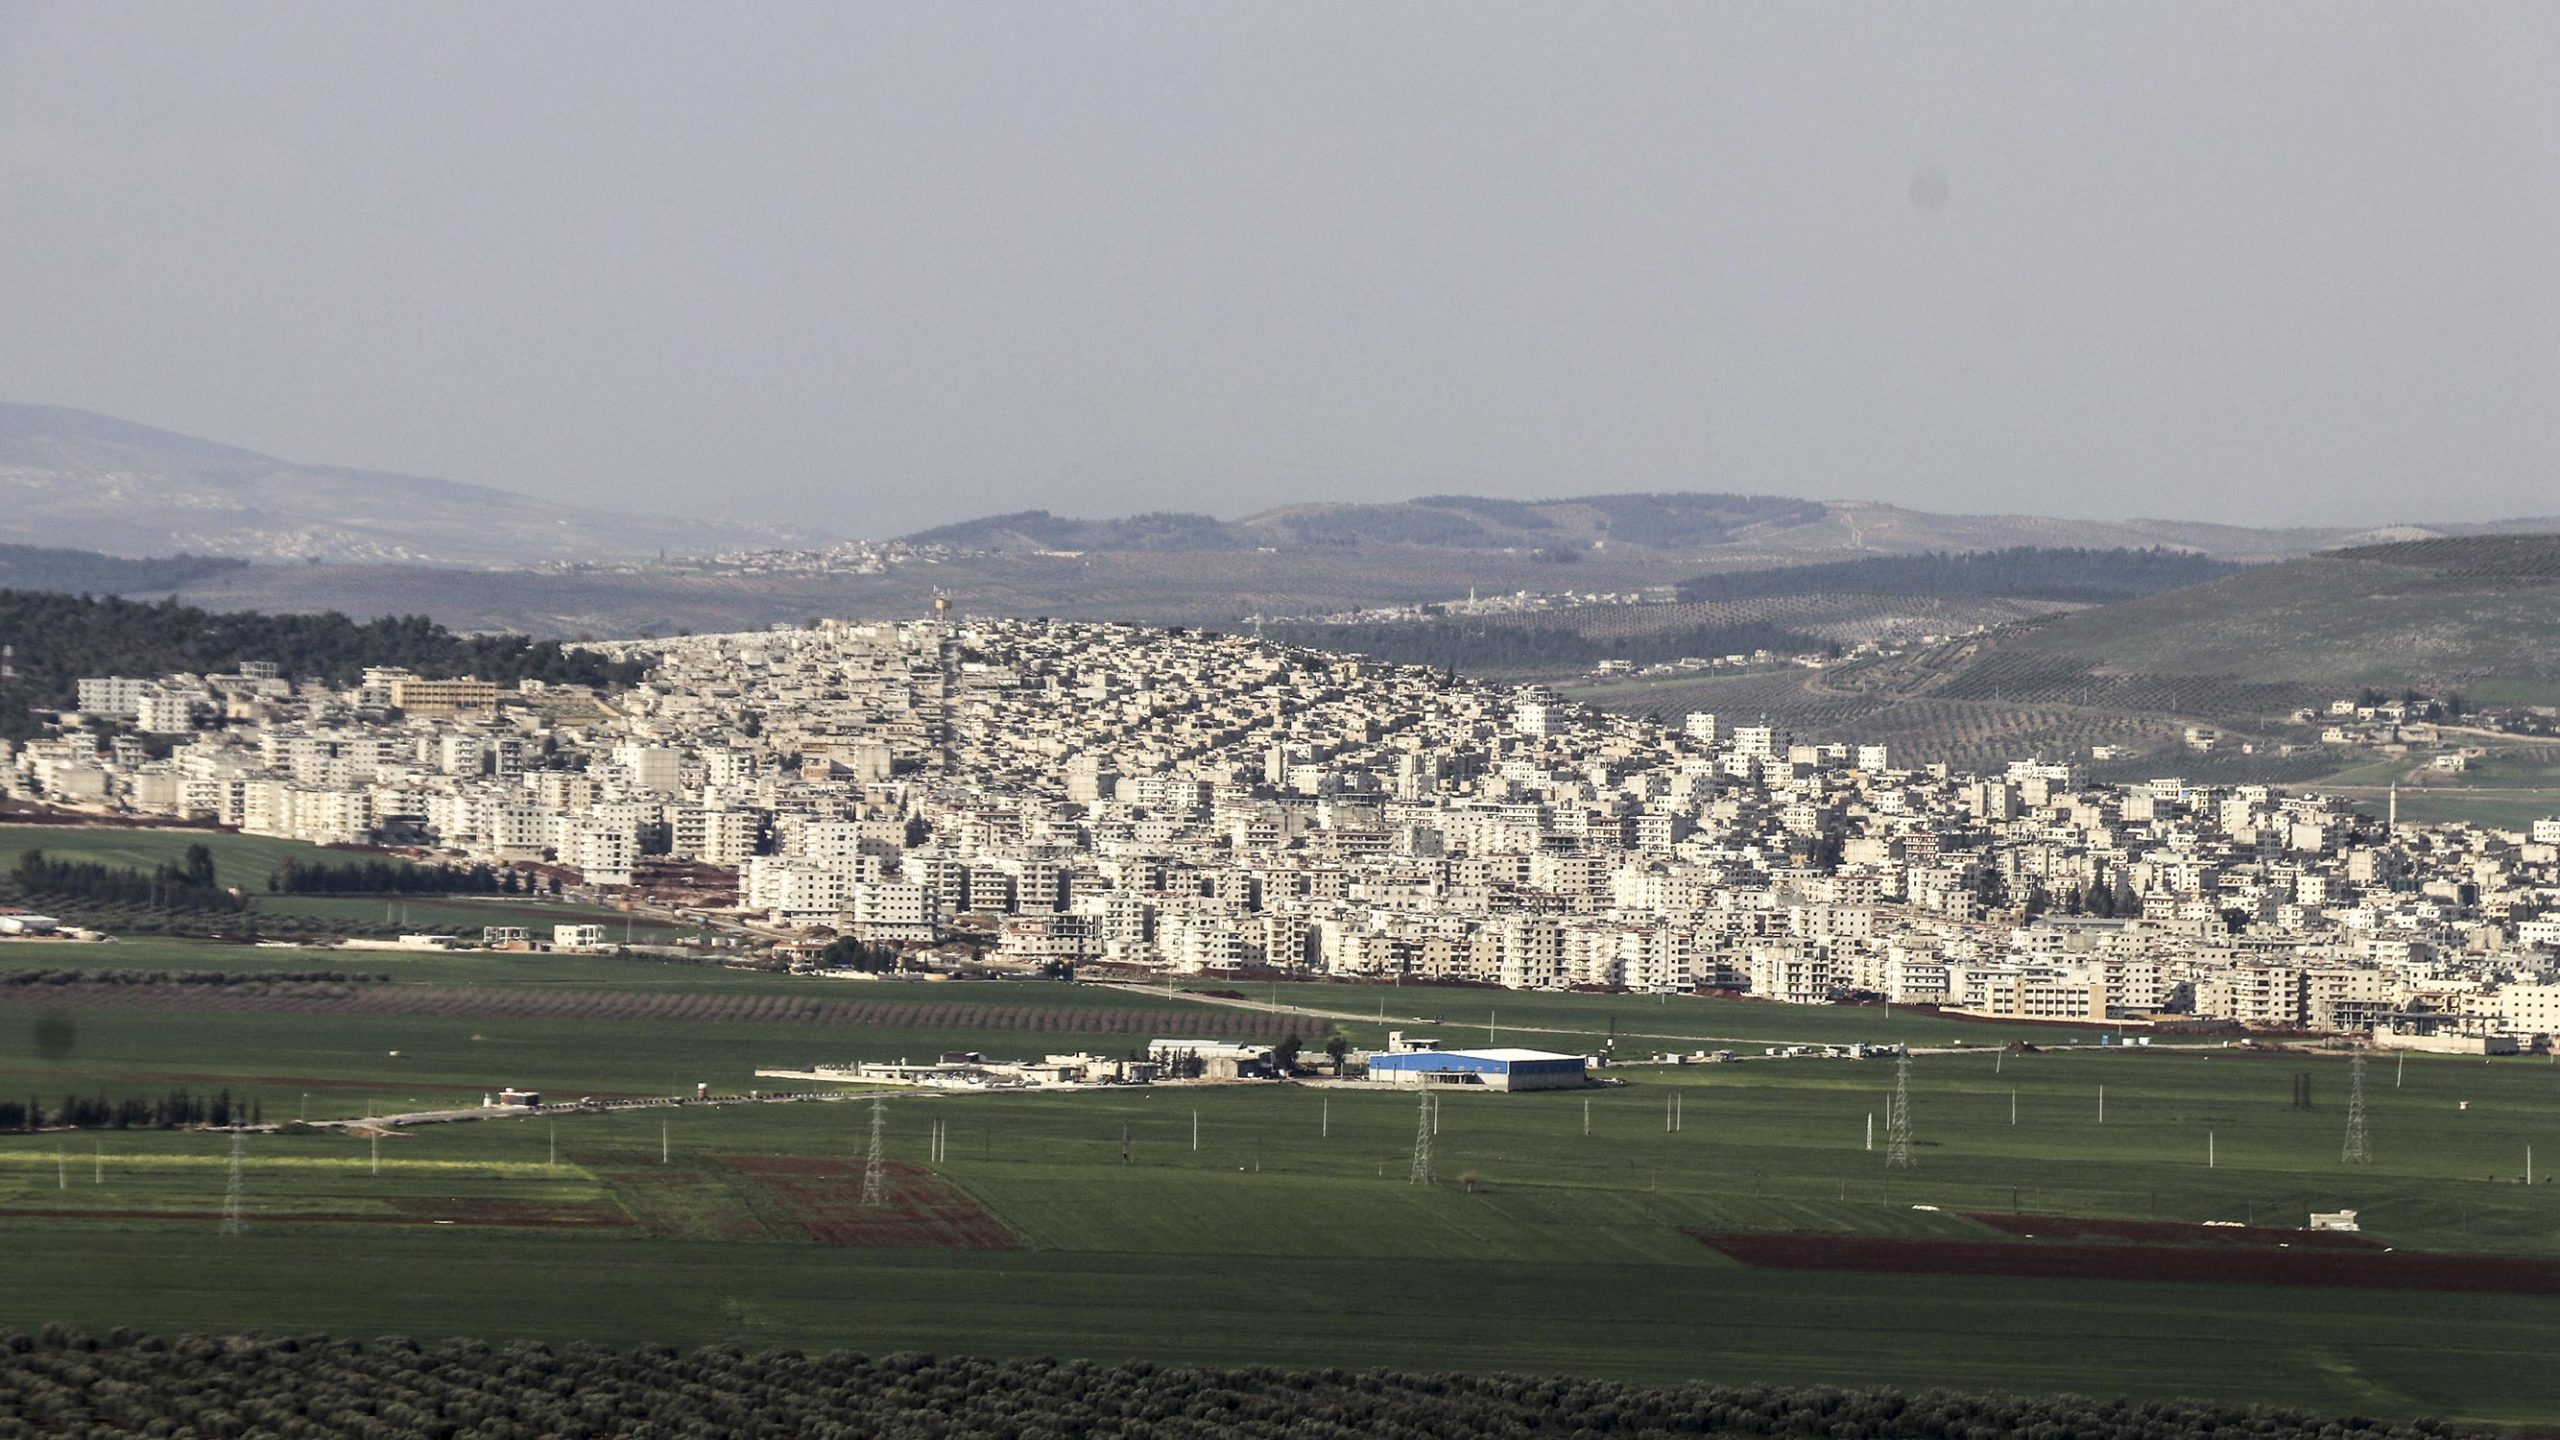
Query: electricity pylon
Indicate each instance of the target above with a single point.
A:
(1423, 1174)
(2359, 1148)
(235, 1196)
(875, 1171)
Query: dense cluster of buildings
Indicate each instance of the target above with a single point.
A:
(1099, 795)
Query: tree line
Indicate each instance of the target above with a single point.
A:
(2027, 572)
(170, 1110)
(61, 638)
(46, 567)
(189, 885)
(384, 877)
(846, 953)
(61, 1381)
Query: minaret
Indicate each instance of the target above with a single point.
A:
(2391, 824)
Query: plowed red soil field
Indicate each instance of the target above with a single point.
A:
(822, 1199)
(2474, 1274)
(2170, 1232)
(574, 1214)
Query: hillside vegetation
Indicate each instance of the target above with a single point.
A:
(2439, 613)
(61, 638)
(2022, 571)
(2478, 614)
(39, 567)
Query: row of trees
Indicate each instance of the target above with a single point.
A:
(2105, 899)
(385, 877)
(45, 567)
(61, 1382)
(846, 953)
(189, 885)
(173, 1110)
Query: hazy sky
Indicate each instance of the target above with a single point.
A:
(865, 267)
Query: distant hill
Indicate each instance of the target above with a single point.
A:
(1752, 529)
(72, 478)
(1034, 531)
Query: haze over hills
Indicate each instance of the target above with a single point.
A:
(70, 478)
(371, 543)
(1758, 528)
(80, 480)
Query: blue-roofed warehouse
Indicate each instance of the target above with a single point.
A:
(1504, 1069)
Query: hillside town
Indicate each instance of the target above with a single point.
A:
(1118, 799)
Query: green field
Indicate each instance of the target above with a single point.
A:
(2475, 805)
(2508, 788)
(1644, 1025)
(1289, 1235)
(241, 860)
(466, 914)
(245, 862)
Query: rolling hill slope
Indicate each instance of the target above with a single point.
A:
(2479, 615)
(2438, 613)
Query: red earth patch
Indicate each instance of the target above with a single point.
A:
(2470, 1274)
(2170, 1232)
(501, 1214)
(572, 1214)
(822, 1199)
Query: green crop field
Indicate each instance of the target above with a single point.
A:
(1644, 1025)
(241, 860)
(1266, 1223)
(434, 914)
(2476, 805)
(245, 862)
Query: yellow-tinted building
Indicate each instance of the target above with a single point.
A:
(443, 697)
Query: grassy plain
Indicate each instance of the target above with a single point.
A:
(242, 860)
(1643, 1024)
(1287, 1231)
(245, 862)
